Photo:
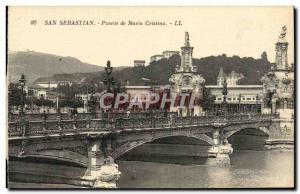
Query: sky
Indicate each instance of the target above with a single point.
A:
(243, 31)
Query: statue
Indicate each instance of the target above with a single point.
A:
(283, 33)
(187, 39)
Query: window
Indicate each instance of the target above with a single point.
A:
(248, 98)
(290, 104)
(219, 98)
(253, 98)
(229, 98)
(243, 98)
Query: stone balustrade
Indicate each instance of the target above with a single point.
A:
(65, 116)
(57, 125)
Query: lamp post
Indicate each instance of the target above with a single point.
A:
(22, 82)
(256, 103)
(224, 92)
(240, 98)
(57, 104)
(109, 81)
(10, 90)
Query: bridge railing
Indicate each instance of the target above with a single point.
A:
(46, 127)
(12, 117)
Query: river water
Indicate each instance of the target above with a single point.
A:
(249, 169)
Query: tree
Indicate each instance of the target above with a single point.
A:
(207, 100)
(43, 102)
(92, 104)
(15, 95)
(71, 102)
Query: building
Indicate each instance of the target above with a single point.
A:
(143, 94)
(165, 55)
(85, 99)
(138, 94)
(36, 91)
(231, 78)
(264, 56)
(156, 58)
(53, 84)
(240, 98)
(168, 54)
(139, 63)
(185, 80)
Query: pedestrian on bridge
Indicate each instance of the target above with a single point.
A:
(166, 113)
(128, 114)
(45, 115)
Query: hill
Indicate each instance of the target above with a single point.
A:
(35, 65)
(160, 71)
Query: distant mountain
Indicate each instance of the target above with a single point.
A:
(159, 72)
(35, 65)
(79, 78)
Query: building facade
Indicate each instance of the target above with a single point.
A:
(165, 55)
(53, 84)
(231, 78)
(156, 58)
(139, 63)
(240, 98)
(168, 54)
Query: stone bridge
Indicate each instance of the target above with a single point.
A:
(94, 144)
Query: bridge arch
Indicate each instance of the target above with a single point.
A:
(126, 147)
(265, 130)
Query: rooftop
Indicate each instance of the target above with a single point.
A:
(171, 51)
(236, 86)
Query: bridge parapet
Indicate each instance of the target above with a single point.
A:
(12, 117)
(58, 126)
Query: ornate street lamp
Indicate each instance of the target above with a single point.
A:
(240, 98)
(22, 82)
(224, 92)
(257, 103)
(57, 104)
(109, 81)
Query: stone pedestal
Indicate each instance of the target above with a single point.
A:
(274, 105)
(218, 155)
(198, 110)
(103, 177)
(101, 172)
(107, 176)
